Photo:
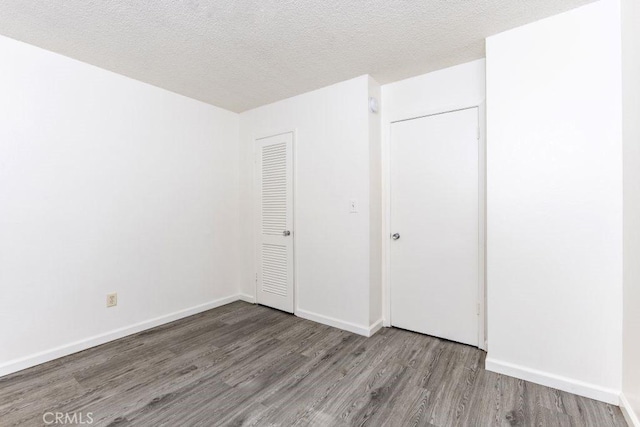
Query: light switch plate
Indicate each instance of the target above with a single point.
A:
(353, 206)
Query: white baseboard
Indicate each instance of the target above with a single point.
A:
(80, 345)
(628, 412)
(64, 350)
(366, 331)
(375, 327)
(580, 388)
(247, 298)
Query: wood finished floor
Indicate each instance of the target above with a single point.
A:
(243, 364)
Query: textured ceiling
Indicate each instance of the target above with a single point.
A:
(240, 54)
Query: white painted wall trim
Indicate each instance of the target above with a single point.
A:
(366, 331)
(580, 388)
(247, 298)
(375, 327)
(386, 210)
(255, 138)
(16, 365)
(84, 344)
(627, 411)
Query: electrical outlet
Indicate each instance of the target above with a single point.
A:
(112, 300)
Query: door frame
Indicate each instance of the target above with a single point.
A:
(482, 205)
(256, 205)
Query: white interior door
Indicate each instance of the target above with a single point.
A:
(274, 171)
(434, 270)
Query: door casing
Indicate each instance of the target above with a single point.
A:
(386, 223)
(257, 228)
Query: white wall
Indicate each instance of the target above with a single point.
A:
(631, 144)
(443, 90)
(106, 185)
(375, 211)
(331, 167)
(554, 201)
(449, 89)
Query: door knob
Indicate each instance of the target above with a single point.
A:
(286, 233)
(395, 236)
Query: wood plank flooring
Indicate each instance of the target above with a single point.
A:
(243, 364)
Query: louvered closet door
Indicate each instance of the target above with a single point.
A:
(274, 166)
